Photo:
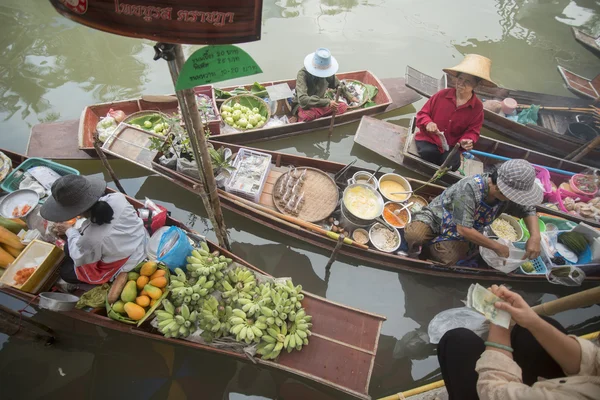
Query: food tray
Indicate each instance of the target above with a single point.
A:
(52, 256)
(14, 179)
(538, 264)
(253, 193)
(321, 195)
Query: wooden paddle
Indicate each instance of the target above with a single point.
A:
(582, 151)
(570, 109)
(290, 219)
(337, 99)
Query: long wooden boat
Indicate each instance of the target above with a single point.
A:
(397, 144)
(280, 164)
(342, 349)
(385, 100)
(580, 85)
(592, 43)
(549, 136)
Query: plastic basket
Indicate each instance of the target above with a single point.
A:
(538, 264)
(14, 179)
(253, 193)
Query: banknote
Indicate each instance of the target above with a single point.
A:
(482, 300)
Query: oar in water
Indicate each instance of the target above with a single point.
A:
(337, 99)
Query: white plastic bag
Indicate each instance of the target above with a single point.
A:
(506, 265)
(453, 318)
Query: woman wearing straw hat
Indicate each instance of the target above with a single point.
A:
(112, 239)
(454, 114)
(312, 82)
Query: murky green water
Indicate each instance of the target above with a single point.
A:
(51, 68)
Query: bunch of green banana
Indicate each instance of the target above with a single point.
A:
(246, 329)
(298, 332)
(176, 323)
(238, 284)
(214, 319)
(261, 297)
(272, 342)
(203, 263)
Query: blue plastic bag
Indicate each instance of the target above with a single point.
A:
(174, 248)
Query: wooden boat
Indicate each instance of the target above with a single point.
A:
(592, 43)
(399, 97)
(280, 164)
(397, 144)
(340, 355)
(581, 85)
(549, 136)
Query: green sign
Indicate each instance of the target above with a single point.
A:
(212, 64)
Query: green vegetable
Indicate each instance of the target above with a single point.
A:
(575, 241)
(147, 124)
(528, 266)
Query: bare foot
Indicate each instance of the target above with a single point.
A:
(293, 120)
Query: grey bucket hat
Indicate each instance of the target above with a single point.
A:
(516, 180)
(71, 196)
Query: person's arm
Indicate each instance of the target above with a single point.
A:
(473, 129)
(80, 250)
(304, 99)
(425, 114)
(533, 247)
(476, 237)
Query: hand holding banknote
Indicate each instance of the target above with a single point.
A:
(484, 301)
(515, 306)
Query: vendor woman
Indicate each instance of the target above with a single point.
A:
(112, 239)
(455, 113)
(454, 221)
(312, 83)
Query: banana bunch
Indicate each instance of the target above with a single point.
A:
(238, 284)
(261, 297)
(214, 319)
(203, 263)
(176, 323)
(192, 295)
(246, 329)
(286, 299)
(272, 342)
(298, 331)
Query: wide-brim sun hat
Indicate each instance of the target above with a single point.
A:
(71, 196)
(516, 181)
(321, 63)
(476, 65)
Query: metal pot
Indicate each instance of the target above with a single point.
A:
(58, 301)
(581, 131)
(355, 219)
(365, 177)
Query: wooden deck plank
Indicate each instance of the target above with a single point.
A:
(57, 140)
(381, 137)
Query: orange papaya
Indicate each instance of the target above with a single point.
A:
(148, 268)
(159, 282)
(134, 311)
(153, 292)
(158, 273)
(142, 301)
(142, 281)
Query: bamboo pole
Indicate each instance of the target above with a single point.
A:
(293, 220)
(195, 129)
(582, 151)
(337, 99)
(570, 109)
(107, 165)
(577, 300)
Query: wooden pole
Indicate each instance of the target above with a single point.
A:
(195, 128)
(335, 251)
(337, 98)
(577, 300)
(106, 164)
(581, 152)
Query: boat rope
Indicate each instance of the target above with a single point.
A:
(24, 310)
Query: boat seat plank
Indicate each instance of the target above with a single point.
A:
(56, 140)
(381, 137)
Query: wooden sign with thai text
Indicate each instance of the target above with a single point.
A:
(170, 21)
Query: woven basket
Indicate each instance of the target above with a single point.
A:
(243, 100)
(364, 100)
(145, 113)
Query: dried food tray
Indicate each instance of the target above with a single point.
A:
(252, 196)
(14, 179)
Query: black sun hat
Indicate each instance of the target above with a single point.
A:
(71, 196)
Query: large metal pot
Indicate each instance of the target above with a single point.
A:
(57, 301)
(357, 219)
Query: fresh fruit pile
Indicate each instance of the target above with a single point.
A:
(135, 295)
(227, 300)
(242, 117)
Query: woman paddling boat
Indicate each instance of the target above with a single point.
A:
(454, 115)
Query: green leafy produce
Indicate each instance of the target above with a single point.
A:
(245, 112)
(154, 123)
(574, 241)
(256, 89)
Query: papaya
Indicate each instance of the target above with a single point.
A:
(148, 268)
(142, 281)
(119, 307)
(142, 301)
(5, 258)
(159, 282)
(129, 292)
(11, 250)
(9, 238)
(132, 276)
(153, 302)
(153, 292)
(13, 225)
(134, 311)
(117, 287)
(158, 273)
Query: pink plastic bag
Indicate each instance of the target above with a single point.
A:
(559, 195)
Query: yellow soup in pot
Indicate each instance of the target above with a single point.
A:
(389, 187)
(362, 202)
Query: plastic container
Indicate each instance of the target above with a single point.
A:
(509, 105)
(575, 190)
(538, 264)
(152, 245)
(526, 234)
(12, 181)
(254, 191)
(58, 301)
(42, 256)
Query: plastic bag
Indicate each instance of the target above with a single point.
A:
(188, 167)
(174, 248)
(106, 127)
(506, 265)
(453, 318)
(153, 215)
(567, 275)
(529, 115)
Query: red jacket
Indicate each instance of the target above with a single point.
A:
(457, 124)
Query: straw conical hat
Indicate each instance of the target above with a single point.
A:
(476, 65)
